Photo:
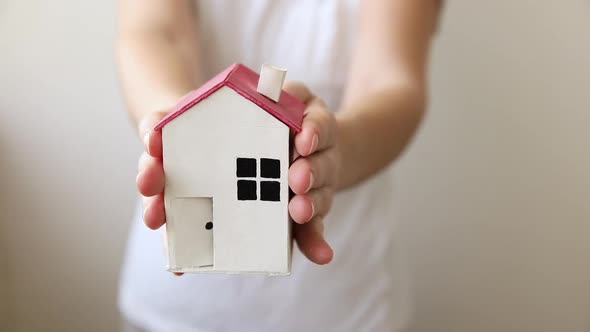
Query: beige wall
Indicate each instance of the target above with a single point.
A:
(68, 162)
(493, 195)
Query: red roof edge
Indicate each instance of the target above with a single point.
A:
(194, 97)
(243, 81)
(279, 116)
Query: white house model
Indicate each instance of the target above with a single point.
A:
(226, 157)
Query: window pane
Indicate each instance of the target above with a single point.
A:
(270, 168)
(246, 190)
(246, 167)
(270, 191)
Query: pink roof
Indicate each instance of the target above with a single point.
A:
(244, 81)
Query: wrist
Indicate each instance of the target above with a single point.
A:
(344, 138)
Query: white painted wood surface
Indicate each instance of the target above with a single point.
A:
(193, 242)
(271, 81)
(200, 151)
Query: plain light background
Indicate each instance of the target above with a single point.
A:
(493, 194)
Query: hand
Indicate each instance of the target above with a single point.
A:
(150, 176)
(313, 175)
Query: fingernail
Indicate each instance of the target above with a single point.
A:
(311, 179)
(312, 212)
(314, 143)
(146, 142)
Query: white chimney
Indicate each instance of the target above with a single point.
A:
(271, 81)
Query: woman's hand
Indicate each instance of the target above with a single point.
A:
(312, 176)
(150, 176)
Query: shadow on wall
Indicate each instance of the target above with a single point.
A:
(5, 287)
(5, 298)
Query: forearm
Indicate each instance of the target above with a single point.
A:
(385, 95)
(157, 54)
(374, 130)
(154, 75)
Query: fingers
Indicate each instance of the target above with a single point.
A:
(307, 176)
(312, 172)
(310, 179)
(318, 129)
(149, 122)
(311, 242)
(154, 215)
(316, 203)
(150, 179)
(152, 140)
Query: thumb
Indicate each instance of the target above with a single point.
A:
(299, 90)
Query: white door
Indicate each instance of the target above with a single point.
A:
(192, 229)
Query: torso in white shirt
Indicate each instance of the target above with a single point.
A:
(365, 287)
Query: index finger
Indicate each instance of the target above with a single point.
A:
(152, 140)
(318, 129)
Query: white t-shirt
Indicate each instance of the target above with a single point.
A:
(365, 287)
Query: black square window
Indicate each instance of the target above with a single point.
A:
(246, 167)
(246, 190)
(270, 168)
(270, 191)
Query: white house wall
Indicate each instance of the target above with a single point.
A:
(200, 151)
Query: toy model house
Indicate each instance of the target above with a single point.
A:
(226, 157)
